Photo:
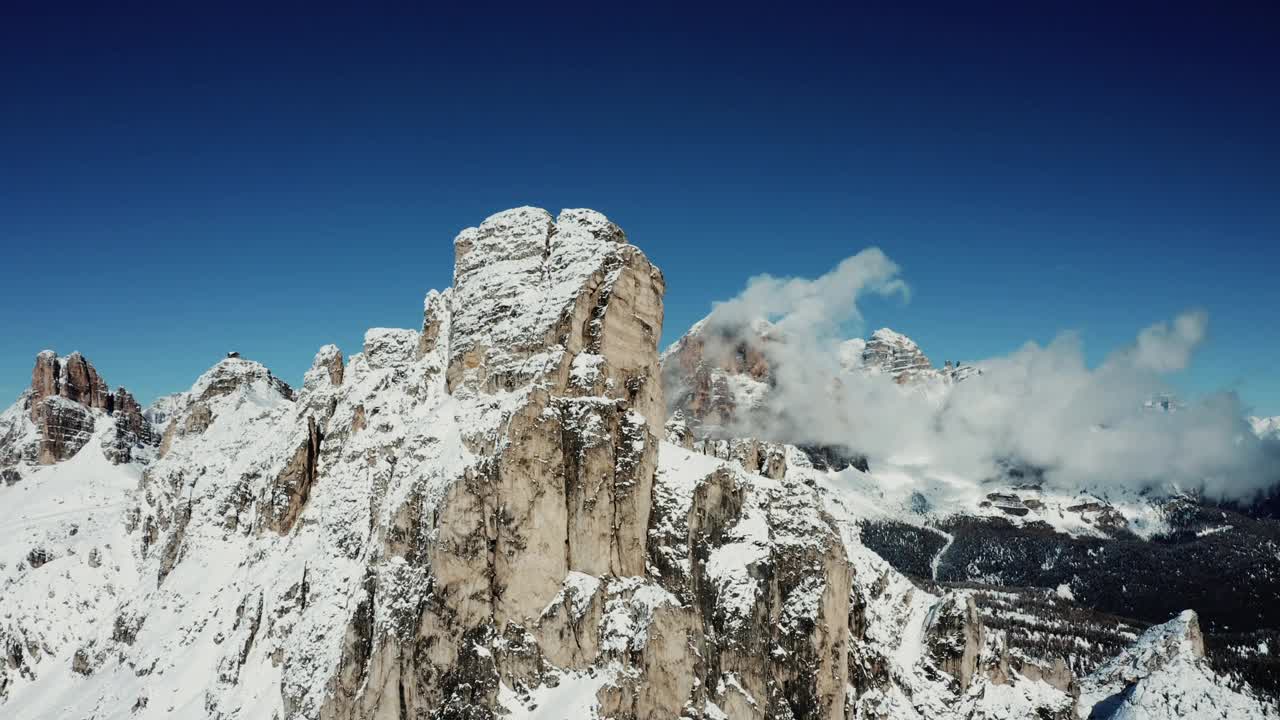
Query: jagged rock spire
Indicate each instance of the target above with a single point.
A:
(65, 394)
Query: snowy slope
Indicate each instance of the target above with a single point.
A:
(67, 560)
(1165, 676)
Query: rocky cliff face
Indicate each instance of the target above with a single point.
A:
(895, 354)
(68, 400)
(132, 430)
(72, 378)
(713, 378)
(64, 427)
(478, 519)
(1132, 555)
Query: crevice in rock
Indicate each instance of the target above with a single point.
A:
(172, 549)
(254, 624)
(292, 488)
(404, 706)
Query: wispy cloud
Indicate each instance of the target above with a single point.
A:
(813, 307)
(1042, 404)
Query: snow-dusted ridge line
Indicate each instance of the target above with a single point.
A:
(480, 518)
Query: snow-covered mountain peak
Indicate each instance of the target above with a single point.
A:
(272, 529)
(594, 223)
(519, 283)
(1164, 676)
(326, 368)
(898, 356)
(893, 337)
(477, 519)
(716, 377)
(1178, 640)
(236, 374)
(66, 406)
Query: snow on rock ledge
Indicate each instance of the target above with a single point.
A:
(531, 293)
(1163, 676)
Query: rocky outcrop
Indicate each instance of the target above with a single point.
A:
(763, 569)
(64, 391)
(64, 426)
(955, 637)
(566, 315)
(714, 375)
(755, 456)
(1164, 674)
(72, 378)
(292, 487)
(133, 433)
(328, 365)
(560, 321)
(64, 406)
(895, 354)
(1177, 641)
(898, 356)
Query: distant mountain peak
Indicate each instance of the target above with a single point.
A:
(713, 374)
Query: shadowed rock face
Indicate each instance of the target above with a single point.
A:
(65, 427)
(954, 635)
(293, 485)
(132, 429)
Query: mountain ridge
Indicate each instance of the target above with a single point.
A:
(491, 516)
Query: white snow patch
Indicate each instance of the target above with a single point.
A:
(574, 697)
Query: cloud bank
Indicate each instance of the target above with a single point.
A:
(1041, 405)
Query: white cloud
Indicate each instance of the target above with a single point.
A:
(808, 308)
(1165, 349)
(1042, 404)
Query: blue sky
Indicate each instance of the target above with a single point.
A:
(178, 183)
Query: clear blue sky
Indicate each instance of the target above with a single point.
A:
(177, 183)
